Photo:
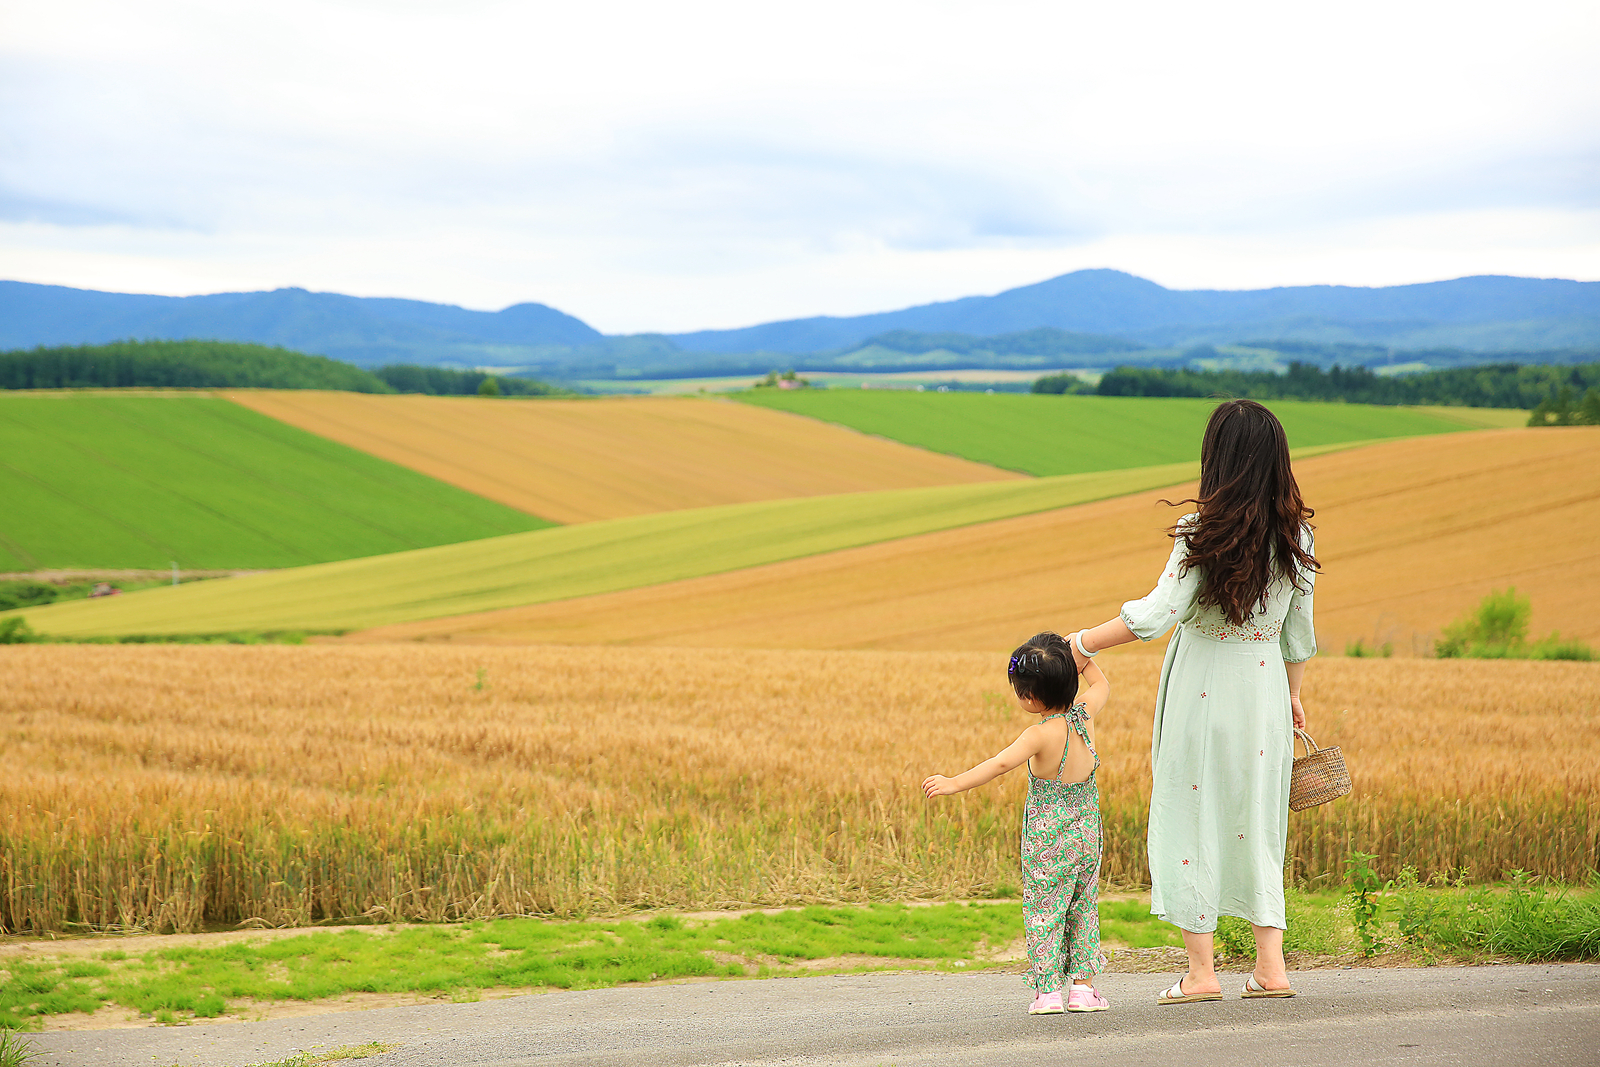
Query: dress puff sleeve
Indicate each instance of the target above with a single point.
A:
(1299, 638)
(1172, 600)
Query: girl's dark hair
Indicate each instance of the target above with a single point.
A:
(1042, 667)
(1248, 529)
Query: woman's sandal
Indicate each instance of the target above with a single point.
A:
(1254, 990)
(1176, 995)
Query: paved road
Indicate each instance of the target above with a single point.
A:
(1493, 1016)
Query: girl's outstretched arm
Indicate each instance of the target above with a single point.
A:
(1010, 758)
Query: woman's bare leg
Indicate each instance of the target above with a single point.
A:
(1270, 970)
(1202, 976)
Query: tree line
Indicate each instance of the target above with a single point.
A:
(233, 365)
(1494, 385)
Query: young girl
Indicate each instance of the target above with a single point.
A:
(1061, 823)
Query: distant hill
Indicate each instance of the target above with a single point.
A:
(367, 331)
(235, 364)
(1084, 314)
(1487, 313)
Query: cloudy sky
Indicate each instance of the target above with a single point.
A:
(651, 166)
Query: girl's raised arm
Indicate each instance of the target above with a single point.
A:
(1095, 690)
(1014, 755)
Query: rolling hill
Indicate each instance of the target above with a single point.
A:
(1411, 534)
(570, 561)
(1046, 435)
(105, 481)
(581, 460)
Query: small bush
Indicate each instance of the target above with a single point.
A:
(1358, 649)
(1064, 384)
(787, 380)
(16, 631)
(26, 593)
(1499, 630)
(1553, 647)
(1562, 409)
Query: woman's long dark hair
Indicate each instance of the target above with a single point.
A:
(1250, 516)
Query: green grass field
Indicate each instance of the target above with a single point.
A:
(1047, 435)
(109, 481)
(572, 561)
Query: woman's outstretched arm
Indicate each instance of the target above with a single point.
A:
(1108, 634)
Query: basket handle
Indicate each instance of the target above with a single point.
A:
(1311, 746)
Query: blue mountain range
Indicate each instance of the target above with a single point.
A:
(1485, 314)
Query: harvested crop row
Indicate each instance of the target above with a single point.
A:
(581, 460)
(171, 787)
(1412, 534)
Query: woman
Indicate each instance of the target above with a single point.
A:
(1238, 588)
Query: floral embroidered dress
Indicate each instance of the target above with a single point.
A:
(1061, 837)
(1222, 748)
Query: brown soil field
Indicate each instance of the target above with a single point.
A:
(176, 787)
(1411, 534)
(578, 460)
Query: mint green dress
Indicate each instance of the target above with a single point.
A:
(1221, 748)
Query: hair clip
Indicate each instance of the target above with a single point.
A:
(1027, 662)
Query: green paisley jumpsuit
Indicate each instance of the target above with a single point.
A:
(1061, 836)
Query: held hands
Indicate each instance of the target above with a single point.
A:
(1078, 658)
(1294, 706)
(937, 785)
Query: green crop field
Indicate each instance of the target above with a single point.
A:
(572, 561)
(118, 481)
(1046, 435)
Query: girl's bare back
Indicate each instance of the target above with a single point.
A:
(1056, 733)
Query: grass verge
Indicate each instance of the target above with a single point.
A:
(179, 984)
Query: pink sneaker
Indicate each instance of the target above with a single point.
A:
(1086, 998)
(1046, 1004)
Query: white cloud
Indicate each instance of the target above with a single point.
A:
(653, 166)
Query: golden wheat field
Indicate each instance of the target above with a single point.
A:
(1412, 534)
(173, 787)
(580, 460)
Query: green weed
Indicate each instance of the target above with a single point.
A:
(1362, 901)
(15, 1050)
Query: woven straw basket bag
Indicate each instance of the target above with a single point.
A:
(1318, 777)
